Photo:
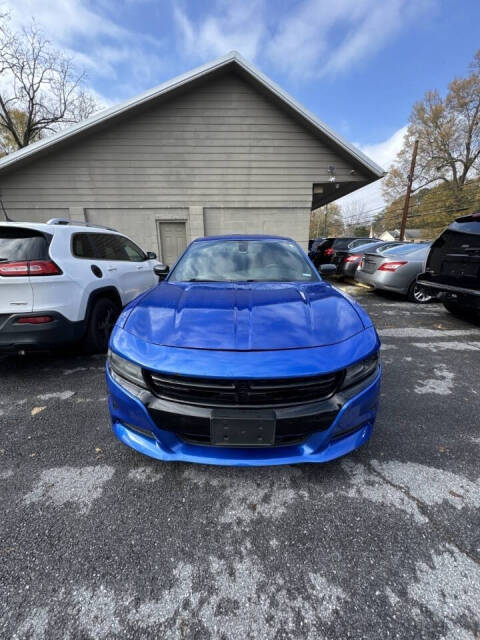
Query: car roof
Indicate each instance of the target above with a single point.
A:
(407, 248)
(242, 237)
(368, 245)
(51, 228)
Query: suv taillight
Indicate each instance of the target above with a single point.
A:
(29, 268)
(328, 252)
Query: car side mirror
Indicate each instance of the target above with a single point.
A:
(327, 268)
(161, 270)
(151, 255)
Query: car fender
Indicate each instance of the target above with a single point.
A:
(91, 294)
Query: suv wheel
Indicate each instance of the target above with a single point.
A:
(103, 316)
(419, 294)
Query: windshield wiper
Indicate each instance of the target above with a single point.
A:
(204, 280)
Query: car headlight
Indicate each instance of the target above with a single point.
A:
(360, 370)
(125, 369)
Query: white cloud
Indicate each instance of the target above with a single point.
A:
(231, 27)
(310, 39)
(97, 43)
(383, 153)
(318, 39)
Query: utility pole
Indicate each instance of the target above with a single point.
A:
(325, 221)
(409, 191)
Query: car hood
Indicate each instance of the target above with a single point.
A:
(251, 316)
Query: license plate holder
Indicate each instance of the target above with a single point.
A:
(247, 428)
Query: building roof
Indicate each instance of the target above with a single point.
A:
(233, 59)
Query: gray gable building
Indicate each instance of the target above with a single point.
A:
(221, 149)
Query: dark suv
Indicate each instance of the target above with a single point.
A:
(453, 266)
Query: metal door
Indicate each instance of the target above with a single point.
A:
(172, 241)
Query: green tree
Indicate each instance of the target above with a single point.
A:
(362, 231)
(448, 132)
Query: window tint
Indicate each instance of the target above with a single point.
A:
(17, 244)
(81, 247)
(469, 226)
(106, 246)
(133, 253)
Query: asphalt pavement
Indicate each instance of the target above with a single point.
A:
(98, 542)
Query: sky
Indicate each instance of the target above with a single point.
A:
(359, 65)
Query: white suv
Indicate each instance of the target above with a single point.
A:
(65, 281)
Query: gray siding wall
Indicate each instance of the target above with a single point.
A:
(216, 149)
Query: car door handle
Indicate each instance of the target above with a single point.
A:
(111, 268)
(140, 268)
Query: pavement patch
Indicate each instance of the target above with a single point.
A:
(34, 626)
(447, 346)
(95, 611)
(449, 588)
(63, 485)
(431, 485)
(421, 332)
(60, 395)
(441, 385)
(369, 486)
(145, 474)
(268, 493)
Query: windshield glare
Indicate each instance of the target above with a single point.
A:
(243, 261)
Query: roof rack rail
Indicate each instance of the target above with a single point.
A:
(80, 223)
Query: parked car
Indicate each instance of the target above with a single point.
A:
(396, 270)
(62, 282)
(325, 251)
(348, 261)
(453, 267)
(243, 355)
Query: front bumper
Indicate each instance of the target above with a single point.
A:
(348, 269)
(16, 337)
(336, 426)
(469, 298)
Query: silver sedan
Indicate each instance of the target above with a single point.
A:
(396, 270)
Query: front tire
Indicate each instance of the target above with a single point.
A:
(419, 294)
(101, 321)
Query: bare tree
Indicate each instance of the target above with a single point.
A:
(448, 131)
(40, 82)
(354, 215)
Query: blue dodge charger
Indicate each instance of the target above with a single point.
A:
(243, 355)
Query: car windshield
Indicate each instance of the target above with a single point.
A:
(246, 260)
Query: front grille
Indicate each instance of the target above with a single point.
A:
(288, 431)
(224, 392)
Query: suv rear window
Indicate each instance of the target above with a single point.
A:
(18, 244)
